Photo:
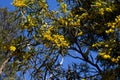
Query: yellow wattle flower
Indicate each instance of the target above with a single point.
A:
(108, 9)
(114, 60)
(64, 7)
(98, 4)
(106, 45)
(83, 79)
(80, 33)
(101, 11)
(106, 56)
(32, 1)
(12, 48)
(19, 3)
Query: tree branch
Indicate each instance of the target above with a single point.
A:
(3, 65)
(85, 58)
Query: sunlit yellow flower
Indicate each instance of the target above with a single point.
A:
(108, 9)
(80, 33)
(106, 45)
(64, 7)
(101, 11)
(118, 57)
(19, 3)
(106, 56)
(111, 30)
(118, 19)
(102, 53)
(32, 1)
(22, 3)
(83, 79)
(58, 40)
(98, 4)
(12, 48)
(93, 45)
(114, 60)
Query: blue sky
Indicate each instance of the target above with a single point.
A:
(6, 3)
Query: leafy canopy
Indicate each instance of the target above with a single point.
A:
(83, 26)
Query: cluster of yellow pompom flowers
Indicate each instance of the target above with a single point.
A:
(72, 20)
(107, 52)
(117, 20)
(12, 48)
(102, 7)
(64, 7)
(30, 22)
(104, 55)
(22, 3)
(113, 25)
(58, 40)
(107, 56)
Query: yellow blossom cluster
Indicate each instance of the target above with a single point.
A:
(98, 44)
(83, 79)
(108, 9)
(42, 4)
(80, 33)
(106, 51)
(107, 56)
(113, 25)
(98, 3)
(22, 3)
(103, 7)
(104, 55)
(71, 20)
(115, 60)
(47, 34)
(19, 3)
(117, 20)
(30, 22)
(58, 40)
(12, 48)
(105, 44)
(102, 10)
(64, 7)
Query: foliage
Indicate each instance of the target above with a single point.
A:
(88, 28)
(9, 31)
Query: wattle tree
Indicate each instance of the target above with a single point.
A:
(85, 32)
